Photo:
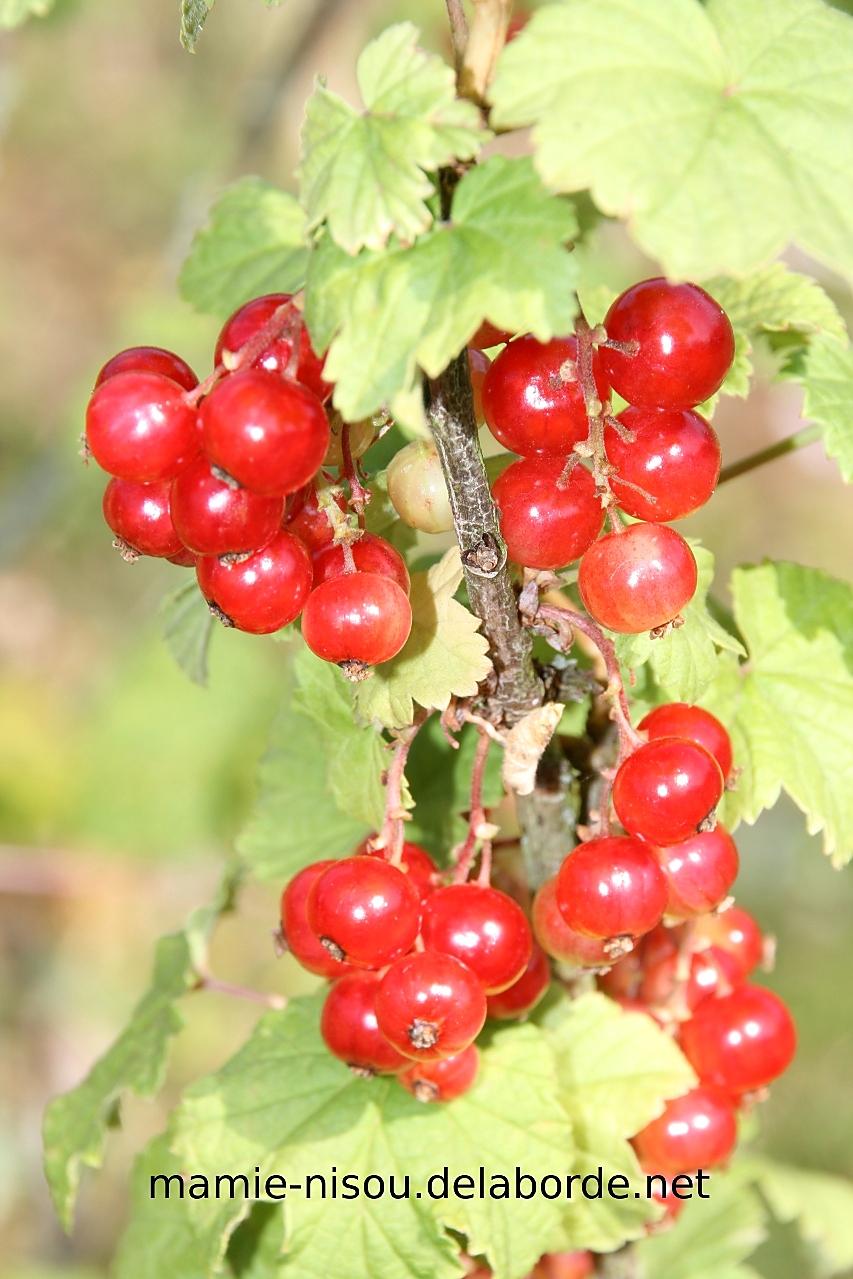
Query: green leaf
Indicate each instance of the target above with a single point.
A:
(254, 243)
(363, 171)
(320, 787)
(187, 630)
(75, 1124)
(789, 707)
(193, 17)
(660, 109)
(684, 661)
(285, 1105)
(711, 1237)
(445, 655)
(440, 782)
(820, 1205)
(388, 315)
(14, 12)
(828, 383)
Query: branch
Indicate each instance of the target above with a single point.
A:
(799, 440)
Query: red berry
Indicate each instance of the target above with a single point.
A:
(698, 1130)
(215, 517)
(674, 457)
(524, 994)
(270, 435)
(611, 887)
(150, 359)
(248, 321)
(741, 1042)
(365, 911)
(710, 973)
(361, 619)
(699, 872)
(679, 719)
(638, 579)
(484, 928)
(532, 406)
(666, 789)
(488, 335)
(349, 1027)
(560, 941)
(414, 862)
(544, 523)
(263, 592)
(140, 516)
(371, 554)
(563, 1265)
(735, 931)
(309, 521)
(184, 559)
(430, 1005)
(302, 942)
(442, 1080)
(685, 345)
(664, 1195)
(140, 427)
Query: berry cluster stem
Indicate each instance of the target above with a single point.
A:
(392, 835)
(284, 322)
(476, 819)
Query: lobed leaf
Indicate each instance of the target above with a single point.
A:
(827, 379)
(821, 1206)
(194, 14)
(711, 1238)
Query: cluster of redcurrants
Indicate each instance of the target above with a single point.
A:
(663, 890)
(221, 477)
(664, 348)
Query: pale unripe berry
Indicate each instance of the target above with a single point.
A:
(417, 489)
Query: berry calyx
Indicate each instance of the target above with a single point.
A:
(735, 931)
(358, 620)
(349, 1026)
(684, 345)
(268, 434)
(302, 942)
(680, 719)
(484, 928)
(370, 553)
(674, 458)
(611, 887)
(150, 359)
(430, 1005)
(139, 427)
(667, 790)
(262, 592)
(561, 942)
(140, 516)
(547, 522)
(740, 1042)
(414, 862)
(524, 994)
(247, 322)
(698, 1130)
(442, 1080)
(365, 911)
(699, 872)
(417, 489)
(215, 517)
(639, 579)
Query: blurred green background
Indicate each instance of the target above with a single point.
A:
(122, 785)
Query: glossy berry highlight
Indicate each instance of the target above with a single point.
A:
(262, 592)
(674, 458)
(370, 554)
(359, 620)
(742, 1042)
(140, 427)
(484, 928)
(565, 944)
(150, 359)
(680, 719)
(699, 872)
(698, 1130)
(350, 1029)
(218, 517)
(140, 515)
(245, 326)
(302, 942)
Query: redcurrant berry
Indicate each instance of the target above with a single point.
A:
(365, 911)
(370, 553)
(262, 592)
(140, 516)
(625, 978)
(349, 1027)
(307, 519)
(547, 522)
(674, 458)
(560, 941)
(150, 359)
(742, 1041)
(417, 489)
(685, 345)
(533, 400)
(484, 928)
(218, 517)
(414, 862)
(523, 995)
(184, 559)
(488, 335)
(735, 931)
(561, 1265)
(709, 974)
(611, 887)
(268, 434)
(246, 323)
(664, 1195)
(666, 790)
(639, 579)
(430, 1005)
(140, 427)
(357, 620)
(698, 1130)
(679, 719)
(302, 942)
(699, 872)
(442, 1080)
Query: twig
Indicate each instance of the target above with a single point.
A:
(219, 987)
(799, 440)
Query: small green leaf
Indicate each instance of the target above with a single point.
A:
(711, 1237)
(193, 17)
(365, 172)
(821, 1206)
(445, 655)
(254, 243)
(827, 379)
(14, 12)
(659, 109)
(187, 630)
